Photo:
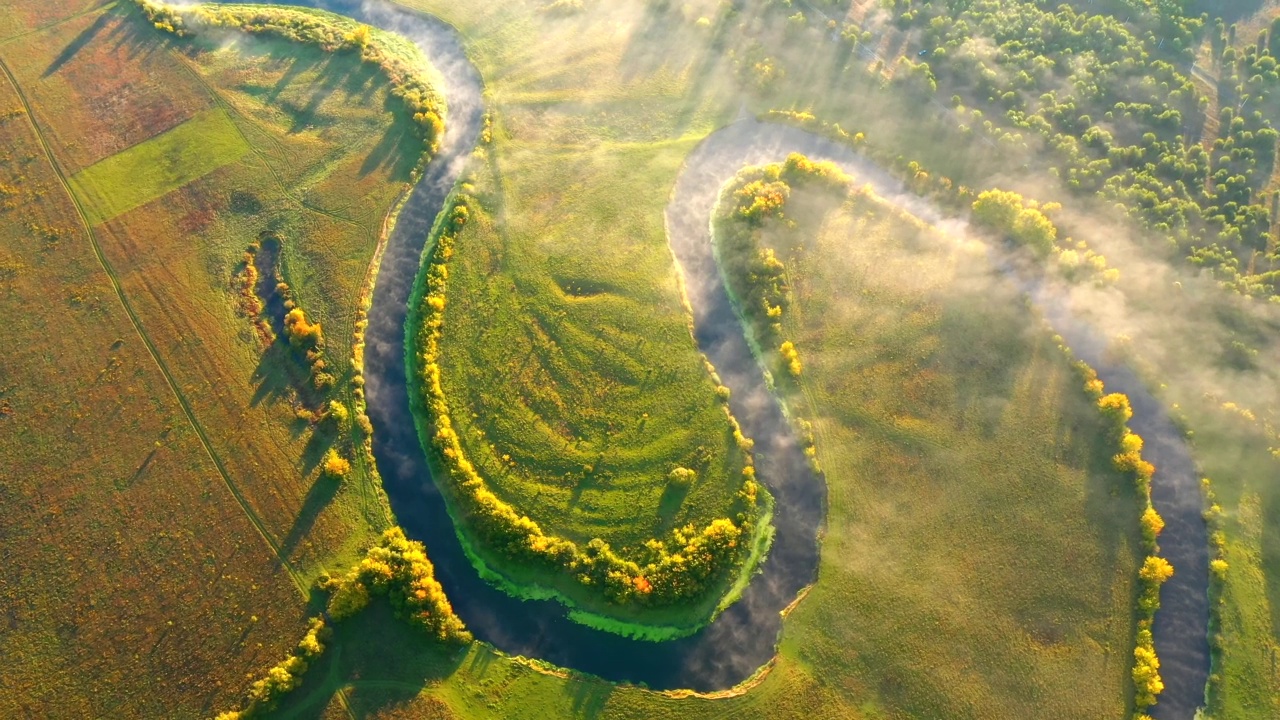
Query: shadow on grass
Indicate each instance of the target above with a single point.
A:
(379, 663)
(397, 150)
(137, 35)
(322, 492)
(272, 376)
(669, 504)
(589, 698)
(85, 37)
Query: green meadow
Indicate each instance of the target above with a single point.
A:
(156, 167)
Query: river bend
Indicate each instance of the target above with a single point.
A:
(744, 637)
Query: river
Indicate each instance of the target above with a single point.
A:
(744, 637)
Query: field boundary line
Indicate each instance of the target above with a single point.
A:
(146, 340)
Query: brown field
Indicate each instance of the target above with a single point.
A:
(154, 465)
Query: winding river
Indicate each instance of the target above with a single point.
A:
(744, 637)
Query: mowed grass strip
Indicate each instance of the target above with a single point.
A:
(158, 166)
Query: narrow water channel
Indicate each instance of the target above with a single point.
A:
(744, 637)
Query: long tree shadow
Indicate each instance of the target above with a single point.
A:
(397, 150)
(85, 37)
(322, 492)
(137, 35)
(272, 376)
(589, 697)
(379, 662)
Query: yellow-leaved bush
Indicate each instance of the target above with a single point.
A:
(1116, 412)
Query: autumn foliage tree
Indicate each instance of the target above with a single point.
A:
(1146, 667)
(398, 569)
(302, 333)
(1017, 218)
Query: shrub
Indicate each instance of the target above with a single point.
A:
(790, 357)
(338, 414)
(335, 467)
(1155, 571)
(681, 477)
(1152, 525)
(301, 332)
(1018, 219)
(1115, 409)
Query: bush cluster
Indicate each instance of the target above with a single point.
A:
(755, 275)
(1218, 569)
(1011, 215)
(681, 567)
(244, 282)
(399, 569)
(1075, 260)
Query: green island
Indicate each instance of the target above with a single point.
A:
(1007, 267)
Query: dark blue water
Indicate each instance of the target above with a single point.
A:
(744, 637)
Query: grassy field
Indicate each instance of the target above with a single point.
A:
(158, 166)
(567, 357)
(927, 378)
(165, 515)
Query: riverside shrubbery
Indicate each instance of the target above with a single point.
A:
(395, 567)
(405, 68)
(683, 566)
(399, 569)
(1022, 220)
(753, 273)
(284, 677)
(1116, 413)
